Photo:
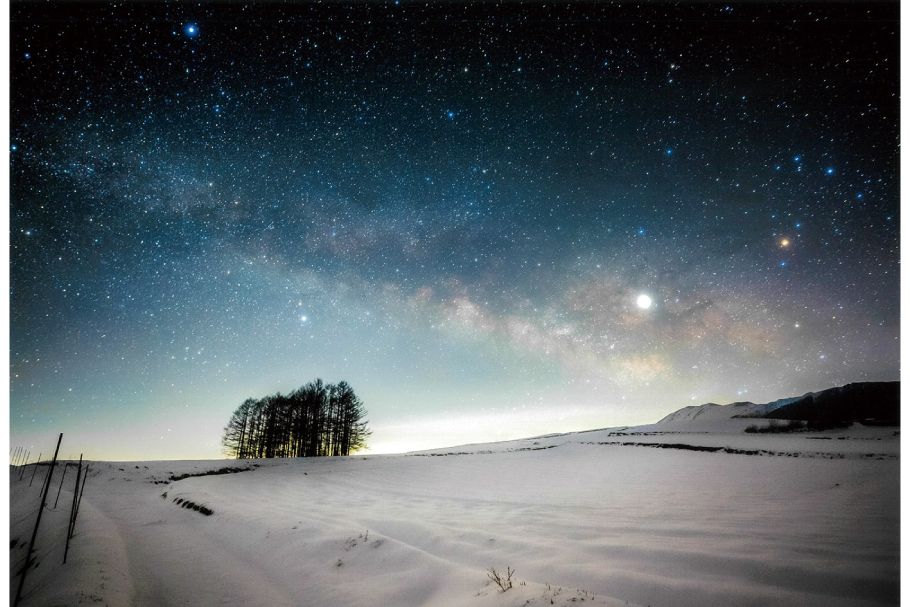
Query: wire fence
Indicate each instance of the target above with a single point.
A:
(21, 564)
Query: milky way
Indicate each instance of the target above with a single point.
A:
(456, 210)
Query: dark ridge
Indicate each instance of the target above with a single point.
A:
(765, 452)
(225, 470)
(870, 403)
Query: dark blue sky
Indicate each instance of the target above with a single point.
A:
(453, 209)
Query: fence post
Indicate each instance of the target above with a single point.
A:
(81, 492)
(69, 530)
(35, 471)
(31, 544)
(24, 464)
(62, 478)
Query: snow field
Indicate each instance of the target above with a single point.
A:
(606, 523)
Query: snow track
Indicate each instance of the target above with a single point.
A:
(576, 521)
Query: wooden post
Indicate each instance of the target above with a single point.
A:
(47, 480)
(62, 478)
(24, 464)
(81, 491)
(31, 545)
(69, 530)
(35, 471)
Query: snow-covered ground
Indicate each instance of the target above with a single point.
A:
(607, 517)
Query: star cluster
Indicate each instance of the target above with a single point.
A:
(491, 220)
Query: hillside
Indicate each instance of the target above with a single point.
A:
(875, 403)
(866, 402)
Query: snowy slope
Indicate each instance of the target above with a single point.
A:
(607, 516)
(879, 400)
(712, 411)
(761, 410)
(708, 412)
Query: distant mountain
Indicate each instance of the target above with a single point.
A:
(867, 402)
(713, 411)
(872, 403)
(764, 409)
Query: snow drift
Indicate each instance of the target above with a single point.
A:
(605, 517)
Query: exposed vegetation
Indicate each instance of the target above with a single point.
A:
(315, 420)
(504, 582)
(777, 426)
(225, 470)
(193, 506)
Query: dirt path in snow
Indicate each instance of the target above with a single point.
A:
(173, 559)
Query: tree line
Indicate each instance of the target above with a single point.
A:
(315, 420)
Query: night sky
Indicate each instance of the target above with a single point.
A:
(455, 209)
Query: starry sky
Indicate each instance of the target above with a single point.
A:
(493, 221)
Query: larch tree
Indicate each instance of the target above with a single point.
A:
(315, 420)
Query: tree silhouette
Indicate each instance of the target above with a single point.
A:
(315, 420)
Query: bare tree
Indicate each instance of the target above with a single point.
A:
(315, 420)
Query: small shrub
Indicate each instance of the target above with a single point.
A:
(503, 582)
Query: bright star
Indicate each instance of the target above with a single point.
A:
(643, 301)
(191, 30)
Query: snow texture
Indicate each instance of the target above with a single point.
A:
(692, 514)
